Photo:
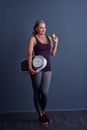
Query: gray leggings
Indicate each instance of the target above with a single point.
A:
(41, 83)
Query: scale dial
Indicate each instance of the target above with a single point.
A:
(38, 61)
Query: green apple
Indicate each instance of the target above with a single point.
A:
(53, 35)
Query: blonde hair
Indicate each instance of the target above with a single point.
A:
(37, 23)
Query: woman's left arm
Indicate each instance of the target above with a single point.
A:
(53, 45)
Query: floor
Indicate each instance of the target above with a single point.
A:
(61, 120)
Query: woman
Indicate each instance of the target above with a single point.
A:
(41, 44)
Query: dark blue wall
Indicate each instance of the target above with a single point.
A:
(66, 18)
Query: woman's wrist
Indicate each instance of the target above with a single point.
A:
(56, 43)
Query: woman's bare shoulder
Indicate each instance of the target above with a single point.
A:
(32, 38)
(50, 38)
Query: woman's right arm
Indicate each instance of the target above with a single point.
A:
(31, 44)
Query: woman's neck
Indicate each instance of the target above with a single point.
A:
(40, 36)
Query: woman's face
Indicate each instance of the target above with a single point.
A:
(41, 29)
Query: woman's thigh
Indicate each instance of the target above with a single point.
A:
(45, 83)
(36, 80)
